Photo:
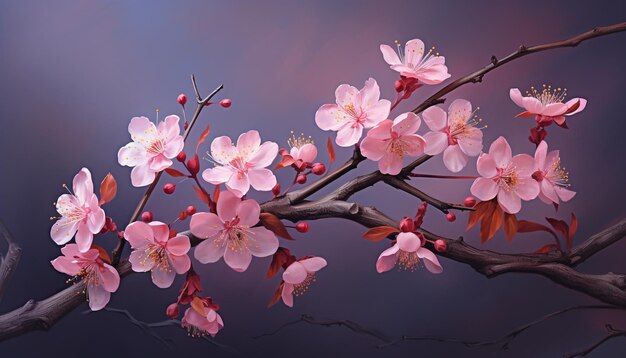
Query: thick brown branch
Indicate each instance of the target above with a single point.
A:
(598, 242)
(8, 262)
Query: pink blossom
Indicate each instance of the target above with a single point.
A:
(155, 251)
(456, 134)
(231, 234)
(101, 278)
(407, 252)
(390, 141)
(547, 106)
(242, 165)
(430, 69)
(299, 276)
(80, 212)
(355, 110)
(552, 178)
(202, 321)
(152, 148)
(507, 177)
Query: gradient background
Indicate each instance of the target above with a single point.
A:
(73, 73)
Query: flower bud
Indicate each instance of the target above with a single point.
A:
(441, 246)
(120, 234)
(469, 202)
(399, 86)
(225, 103)
(407, 225)
(301, 179)
(173, 233)
(181, 157)
(182, 99)
(193, 165)
(172, 311)
(146, 216)
(302, 226)
(191, 210)
(318, 168)
(283, 152)
(169, 188)
(450, 217)
(276, 189)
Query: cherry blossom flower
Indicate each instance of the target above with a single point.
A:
(81, 214)
(152, 148)
(429, 68)
(408, 252)
(303, 151)
(390, 141)
(101, 278)
(505, 176)
(231, 234)
(547, 106)
(552, 178)
(243, 165)
(155, 251)
(299, 276)
(204, 320)
(355, 110)
(456, 134)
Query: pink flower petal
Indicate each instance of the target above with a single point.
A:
(139, 261)
(238, 260)
(181, 263)
(66, 265)
(433, 74)
(84, 237)
(174, 147)
(387, 259)
(262, 242)
(564, 194)
(486, 166)
(509, 201)
(295, 273)
(160, 231)
(413, 52)
(239, 184)
(83, 186)
(331, 117)
(139, 235)
(345, 95)
(248, 212)
(382, 130)
(287, 294)
(142, 175)
(228, 206)
(500, 151)
(159, 162)
(459, 109)
(472, 142)
(372, 148)
(390, 163)
(217, 175)
(209, 251)
(524, 165)
(63, 230)
(142, 130)
(205, 225)
(415, 144)
(376, 113)
(430, 260)
(178, 245)
(527, 188)
(248, 143)
(454, 158)
(547, 189)
(581, 106)
(484, 189)
(223, 150)
(436, 142)
(408, 242)
(96, 219)
(369, 95)
(406, 123)
(98, 297)
(390, 56)
(516, 97)
(162, 278)
(436, 118)
(132, 154)
(262, 179)
(532, 105)
(265, 155)
(349, 135)
(540, 155)
(169, 128)
(109, 278)
(554, 109)
(308, 153)
(313, 264)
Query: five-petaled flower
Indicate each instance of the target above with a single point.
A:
(408, 252)
(303, 151)
(202, 319)
(456, 134)
(231, 234)
(80, 212)
(354, 111)
(390, 141)
(299, 276)
(101, 278)
(429, 69)
(552, 178)
(152, 148)
(506, 176)
(155, 251)
(243, 165)
(547, 106)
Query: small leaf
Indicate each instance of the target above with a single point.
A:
(273, 223)
(331, 150)
(285, 162)
(480, 210)
(102, 253)
(546, 249)
(174, 173)
(573, 226)
(108, 189)
(277, 295)
(216, 193)
(202, 138)
(491, 222)
(531, 226)
(510, 225)
(379, 232)
(563, 228)
(280, 257)
(198, 305)
(205, 198)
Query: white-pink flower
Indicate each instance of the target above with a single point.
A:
(455, 134)
(429, 69)
(231, 234)
(155, 251)
(390, 141)
(243, 165)
(408, 252)
(506, 176)
(304, 153)
(101, 278)
(299, 276)
(81, 214)
(552, 178)
(152, 148)
(200, 324)
(547, 106)
(355, 110)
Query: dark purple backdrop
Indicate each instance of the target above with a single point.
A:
(72, 74)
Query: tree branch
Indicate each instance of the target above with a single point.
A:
(612, 333)
(9, 262)
(408, 188)
(598, 242)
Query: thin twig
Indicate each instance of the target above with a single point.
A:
(9, 262)
(612, 333)
(408, 188)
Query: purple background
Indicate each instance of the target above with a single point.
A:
(74, 73)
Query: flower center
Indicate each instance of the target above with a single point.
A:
(157, 255)
(461, 125)
(548, 95)
(558, 175)
(507, 178)
(300, 288)
(156, 146)
(408, 261)
(397, 146)
(298, 142)
(238, 237)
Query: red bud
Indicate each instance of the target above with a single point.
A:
(399, 86)
(193, 165)
(407, 225)
(301, 179)
(120, 234)
(441, 246)
(225, 103)
(173, 233)
(276, 189)
(172, 311)
(169, 188)
(182, 99)
(283, 151)
(302, 226)
(450, 217)
(318, 168)
(469, 202)
(181, 157)
(146, 216)
(191, 210)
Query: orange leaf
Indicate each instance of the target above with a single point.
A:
(545, 249)
(277, 295)
(331, 150)
(491, 222)
(476, 215)
(205, 198)
(202, 138)
(560, 225)
(524, 114)
(108, 189)
(273, 223)
(102, 253)
(174, 173)
(379, 232)
(198, 305)
(531, 226)
(280, 257)
(285, 162)
(510, 225)
(573, 226)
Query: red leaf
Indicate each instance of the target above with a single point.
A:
(331, 150)
(277, 295)
(174, 173)
(531, 226)
(379, 232)
(205, 198)
(102, 253)
(573, 226)
(546, 248)
(285, 162)
(491, 222)
(563, 228)
(108, 189)
(280, 257)
(510, 225)
(216, 193)
(524, 114)
(273, 223)
(475, 216)
(202, 138)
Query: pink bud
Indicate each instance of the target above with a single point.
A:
(283, 152)
(146, 216)
(193, 165)
(182, 99)
(169, 188)
(181, 157)
(441, 246)
(301, 179)
(407, 225)
(276, 189)
(399, 86)
(450, 217)
(191, 210)
(318, 168)
(172, 311)
(302, 226)
(469, 202)
(225, 103)
(120, 234)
